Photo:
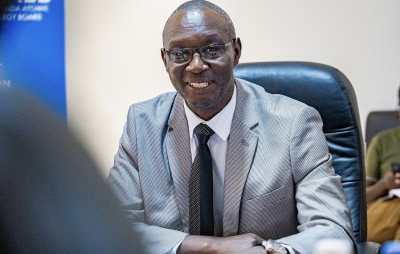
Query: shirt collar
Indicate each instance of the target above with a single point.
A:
(220, 123)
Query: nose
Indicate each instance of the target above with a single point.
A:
(196, 64)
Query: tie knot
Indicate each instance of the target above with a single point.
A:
(203, 133)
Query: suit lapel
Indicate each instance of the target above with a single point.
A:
(241, 150)
(177, 145)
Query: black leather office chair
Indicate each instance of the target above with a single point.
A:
(378, 121)
(331, 93)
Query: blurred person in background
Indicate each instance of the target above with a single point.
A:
(383, 185)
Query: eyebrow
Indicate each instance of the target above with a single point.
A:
(211, 38)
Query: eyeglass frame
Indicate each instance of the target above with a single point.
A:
(193, 50)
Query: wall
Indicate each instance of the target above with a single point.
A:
(113, 53)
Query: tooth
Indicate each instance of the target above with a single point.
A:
(199, 85)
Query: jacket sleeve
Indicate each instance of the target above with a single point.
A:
(320, 198)
(124, 180)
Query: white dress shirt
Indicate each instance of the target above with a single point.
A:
(218, 144)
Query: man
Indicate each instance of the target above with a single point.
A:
(383, 182)
(271, 171)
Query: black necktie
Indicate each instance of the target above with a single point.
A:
(201, 214)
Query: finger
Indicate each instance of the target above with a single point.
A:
(258, 239)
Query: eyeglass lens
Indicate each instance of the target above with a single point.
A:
(209, 52)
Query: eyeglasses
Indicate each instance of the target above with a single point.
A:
(208, 53)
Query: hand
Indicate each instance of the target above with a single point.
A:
(231, 244)
(379, 189)
(240, 242)
(252, 250)
(391, 180)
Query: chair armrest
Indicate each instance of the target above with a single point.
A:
(368, 248)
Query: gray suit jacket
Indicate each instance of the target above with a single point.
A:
(279, 181)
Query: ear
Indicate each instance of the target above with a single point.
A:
(237, 47)
(164, 57)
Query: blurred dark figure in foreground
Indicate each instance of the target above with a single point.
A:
(383, 185)
(52, 197)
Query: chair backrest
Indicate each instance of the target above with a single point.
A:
(378, 121)
(331, 93)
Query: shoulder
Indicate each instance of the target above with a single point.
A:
(386, 135)
(150, 113)
(159, 105)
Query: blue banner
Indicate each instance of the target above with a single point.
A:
(32, 50)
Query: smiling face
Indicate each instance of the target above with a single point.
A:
(206, 86)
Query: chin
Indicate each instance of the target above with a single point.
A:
(202, 104)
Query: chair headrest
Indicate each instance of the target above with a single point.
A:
(320, 86)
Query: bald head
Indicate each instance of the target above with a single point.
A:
(196, 6)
